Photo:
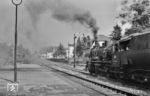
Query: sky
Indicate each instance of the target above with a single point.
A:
(48, 24)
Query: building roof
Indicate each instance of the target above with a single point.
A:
(103, 38)
(70, 45)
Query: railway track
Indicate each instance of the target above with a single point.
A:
(110, 89)
(130, 84)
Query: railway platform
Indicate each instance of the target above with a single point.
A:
(34, 80)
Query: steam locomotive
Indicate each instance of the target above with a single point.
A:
(128, 58)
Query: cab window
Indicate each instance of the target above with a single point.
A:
(141, 42)
(124, 45)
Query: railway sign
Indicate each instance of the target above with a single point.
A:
(12, 88)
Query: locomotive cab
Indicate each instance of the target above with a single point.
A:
(133, 56)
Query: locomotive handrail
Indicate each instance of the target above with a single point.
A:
(102, 61)
(134, 34)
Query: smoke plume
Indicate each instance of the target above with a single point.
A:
(62, 11)
(29, 14)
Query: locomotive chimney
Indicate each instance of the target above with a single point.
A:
(95, 30)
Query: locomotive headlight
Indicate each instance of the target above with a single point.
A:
(115, 59)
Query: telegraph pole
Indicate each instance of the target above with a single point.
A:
(68, 52)
(16, 3)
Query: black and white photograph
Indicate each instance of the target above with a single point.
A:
(74, 47)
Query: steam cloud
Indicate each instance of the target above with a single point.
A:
(62, 11)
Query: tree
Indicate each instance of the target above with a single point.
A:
(86, 42)
(4, 53)
(45, 50)
(135, 12)
(79, 48)
(60, 51)
(133, 30)
(23, 54)
(116, 33)
(82, 44)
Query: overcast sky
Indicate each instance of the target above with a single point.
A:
(44, 30)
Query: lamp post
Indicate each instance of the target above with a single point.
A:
(16, 3)
(74, 65)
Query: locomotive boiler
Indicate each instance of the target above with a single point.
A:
(128, 58)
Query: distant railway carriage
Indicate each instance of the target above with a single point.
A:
(127, 58)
